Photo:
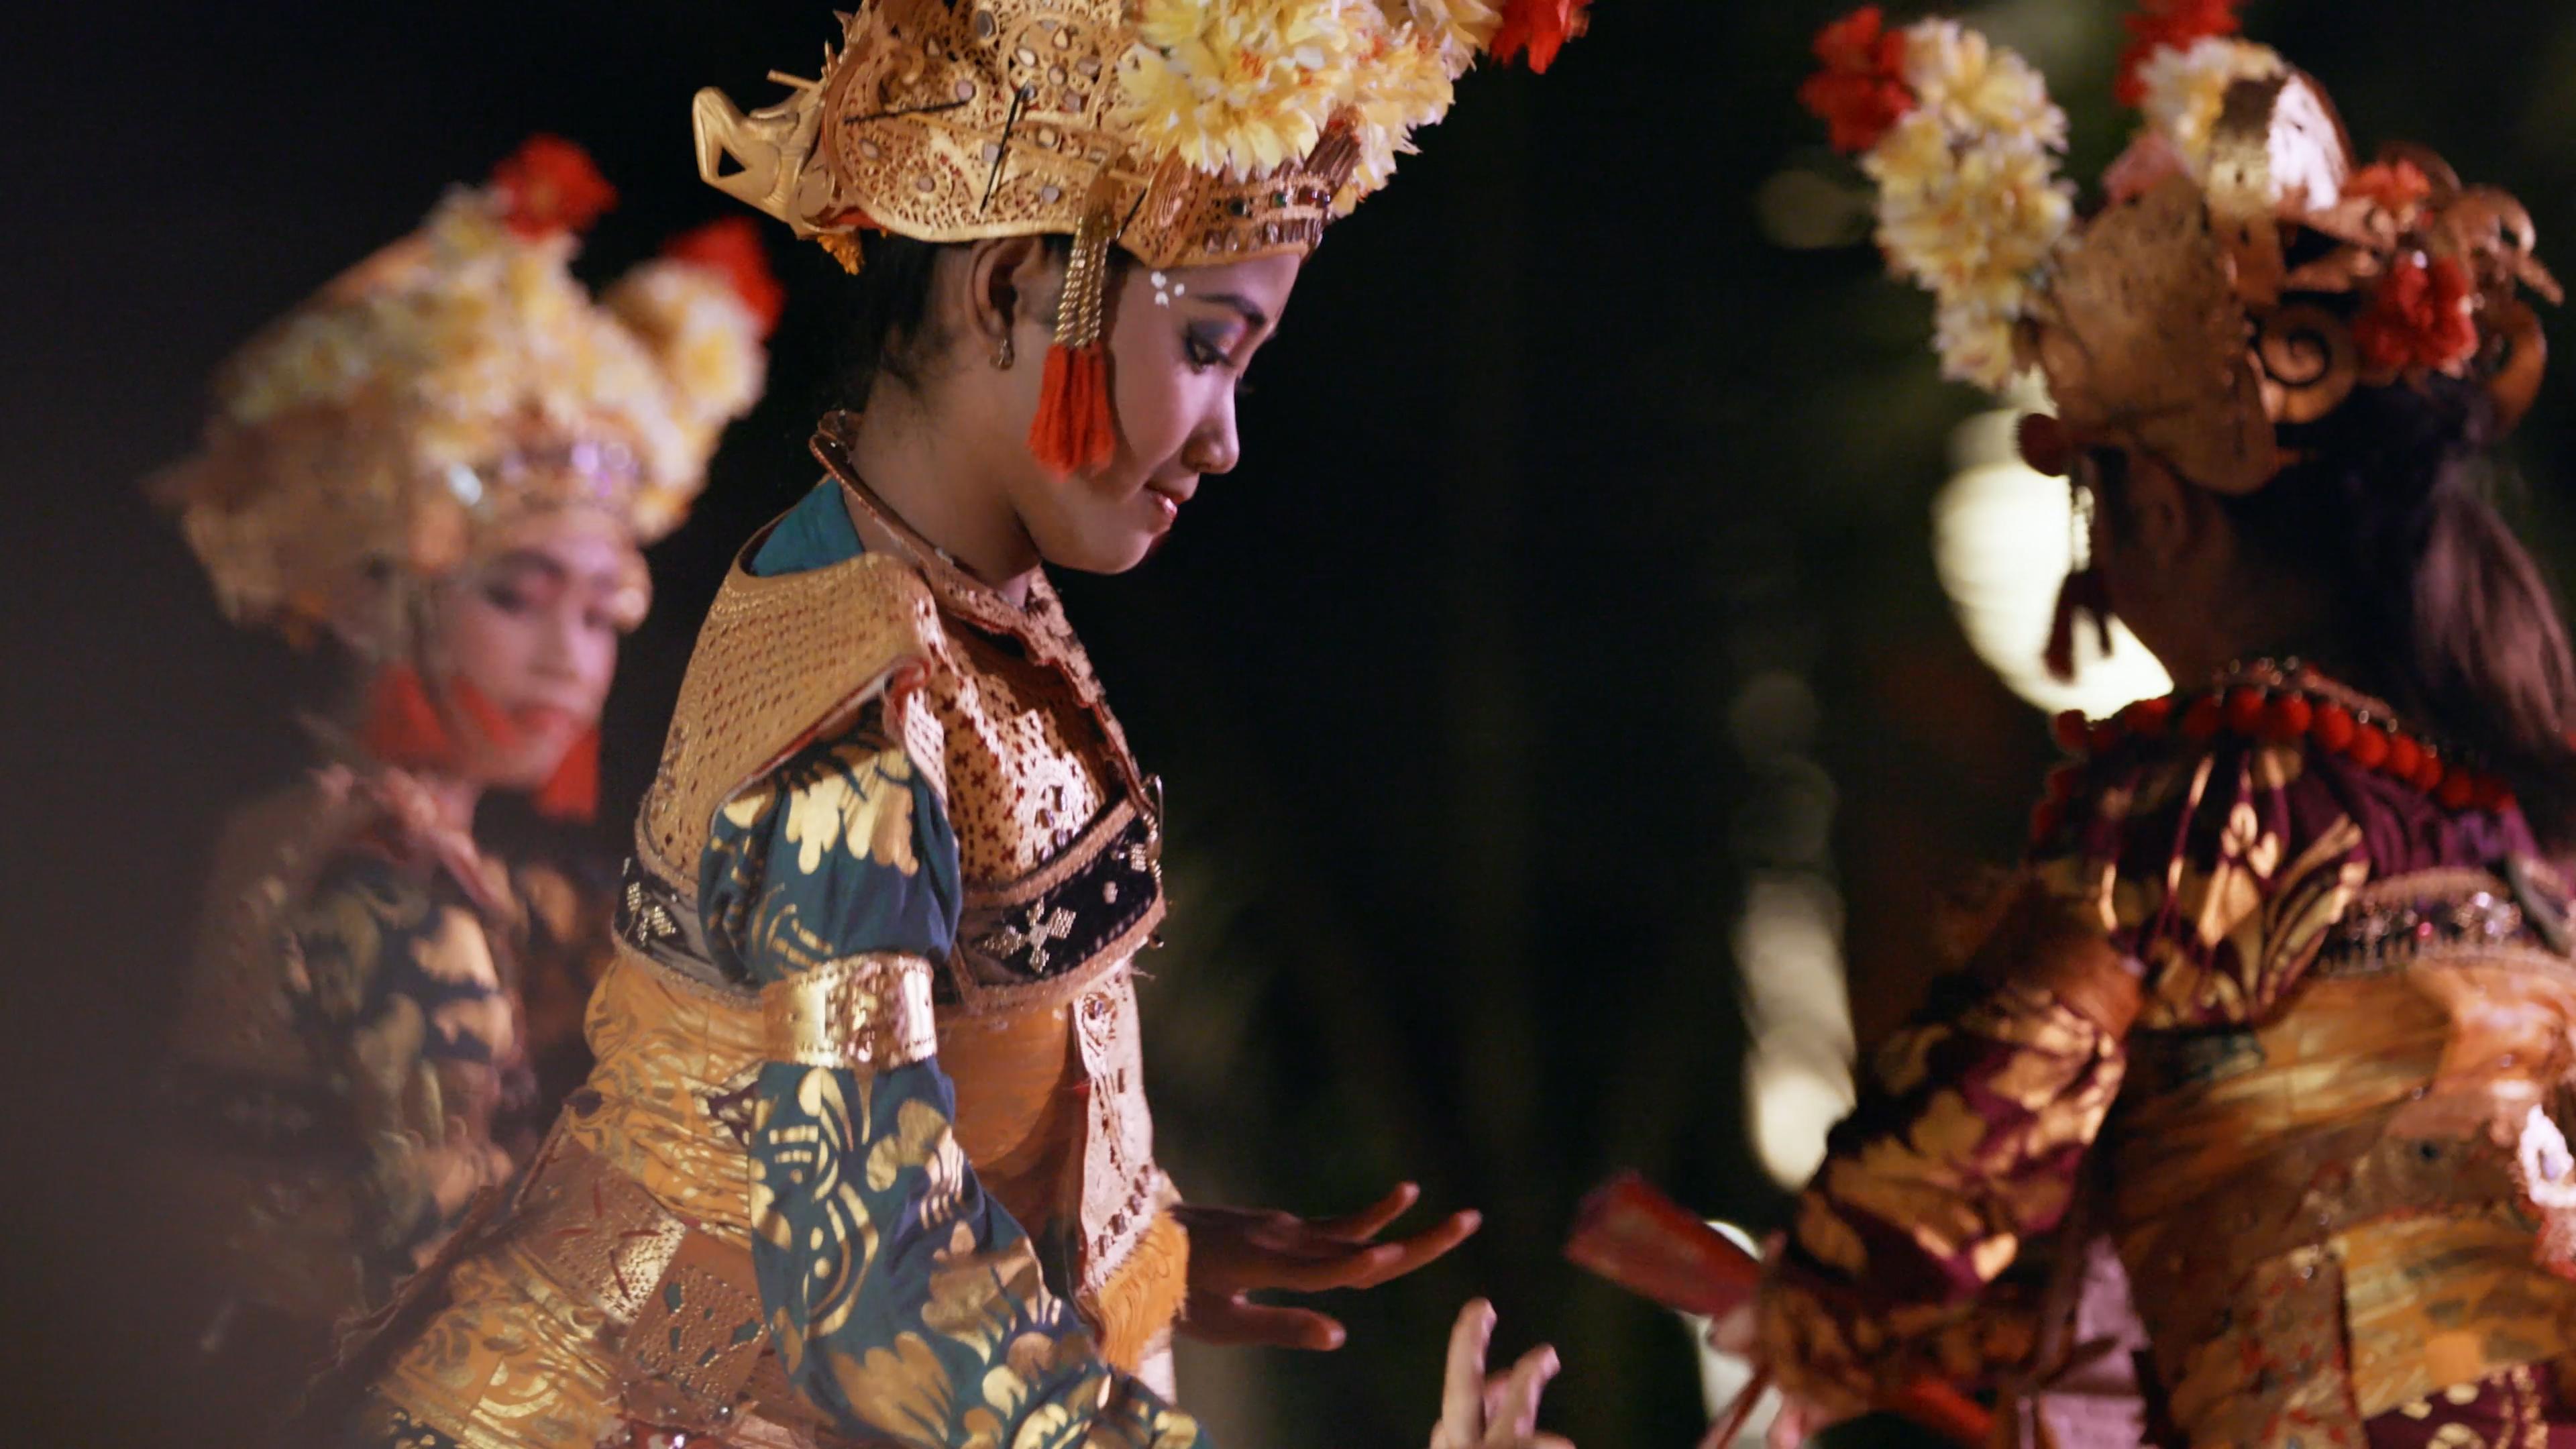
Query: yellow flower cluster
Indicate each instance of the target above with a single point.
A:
(1459, 29)
(1236, 86)
(1969, 202)
(466, 341)
(1242, 87)
(1405, 81)
(2185, 88)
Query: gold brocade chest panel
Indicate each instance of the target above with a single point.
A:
(2321, 1214)
(1025, 769)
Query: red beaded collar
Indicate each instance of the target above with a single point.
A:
(2278, 704)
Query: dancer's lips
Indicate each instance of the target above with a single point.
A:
(1169, 496)
(546, 719)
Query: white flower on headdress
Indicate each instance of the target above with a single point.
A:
(708, 342)
(1975, 87)
(2185, 89)
(1977, 232)
(1969, 202)
(1458, 29)
(1913, 155)
(1237, 87)
(1975, 344)
(1398, 81)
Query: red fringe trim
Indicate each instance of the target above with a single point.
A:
(1075, 430)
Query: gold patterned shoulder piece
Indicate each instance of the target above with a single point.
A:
(867, 1014)
(780, 662)
(1038, 627)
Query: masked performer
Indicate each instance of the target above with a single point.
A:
(444, 464)
(867, 1156)
(2285, 1003)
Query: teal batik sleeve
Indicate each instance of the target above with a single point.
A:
(903, 1300)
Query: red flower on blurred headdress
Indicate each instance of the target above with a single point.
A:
(1542, 27)
(731, 249)
(2396, 186)
(549, 185)
(2168, 24)
(1861, 91)
(2419, 317)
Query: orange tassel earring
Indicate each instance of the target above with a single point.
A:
(572, 792)
(403, 727)
(1076, 429)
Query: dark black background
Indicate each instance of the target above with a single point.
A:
(1555, 452)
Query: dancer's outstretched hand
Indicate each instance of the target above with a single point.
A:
(1492, 1411)
(1236, 1252)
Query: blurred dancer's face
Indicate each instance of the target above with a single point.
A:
(2162, 546)
(1179, 343)
(532, 632)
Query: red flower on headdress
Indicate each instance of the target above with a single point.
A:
(1542, 27)
(2168, 24)
(1861, 91)
(2419, 317)
(731, 249)
(549, 185)
(2397, 187)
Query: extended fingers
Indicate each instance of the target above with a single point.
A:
(1411, 1253)
(1517, 1416)
(1372, 1220)
(1236, 1321)
(1462, 1390)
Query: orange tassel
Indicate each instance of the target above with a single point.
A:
(403, 727)
(1074, 430)
(572, 792)
(1141, 1300)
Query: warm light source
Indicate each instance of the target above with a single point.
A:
(1798, 1078)
(2002, 539)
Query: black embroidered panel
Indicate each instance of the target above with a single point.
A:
(661, 924)
(1094, 906)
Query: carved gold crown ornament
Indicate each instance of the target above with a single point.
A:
(2243, 275)
(1188, 132)
(421, 406)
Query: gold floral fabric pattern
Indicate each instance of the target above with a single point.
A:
(2214, 872)
(901, 1298)
(904, 1300)
(405, 1045)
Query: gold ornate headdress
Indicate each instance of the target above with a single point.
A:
(1189, 132)
(461, 380)
(2243, 275)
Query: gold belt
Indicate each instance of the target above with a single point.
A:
(681, 1307)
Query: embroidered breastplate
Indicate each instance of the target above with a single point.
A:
(1058, 841)
(2321, 1214)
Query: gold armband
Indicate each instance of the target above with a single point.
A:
(869, 1013)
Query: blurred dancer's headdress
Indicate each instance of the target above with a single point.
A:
(2243, 273)
(1189, 132)
(461, 381)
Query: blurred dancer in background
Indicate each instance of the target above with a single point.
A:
(2284, 1006)
(441, 468)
